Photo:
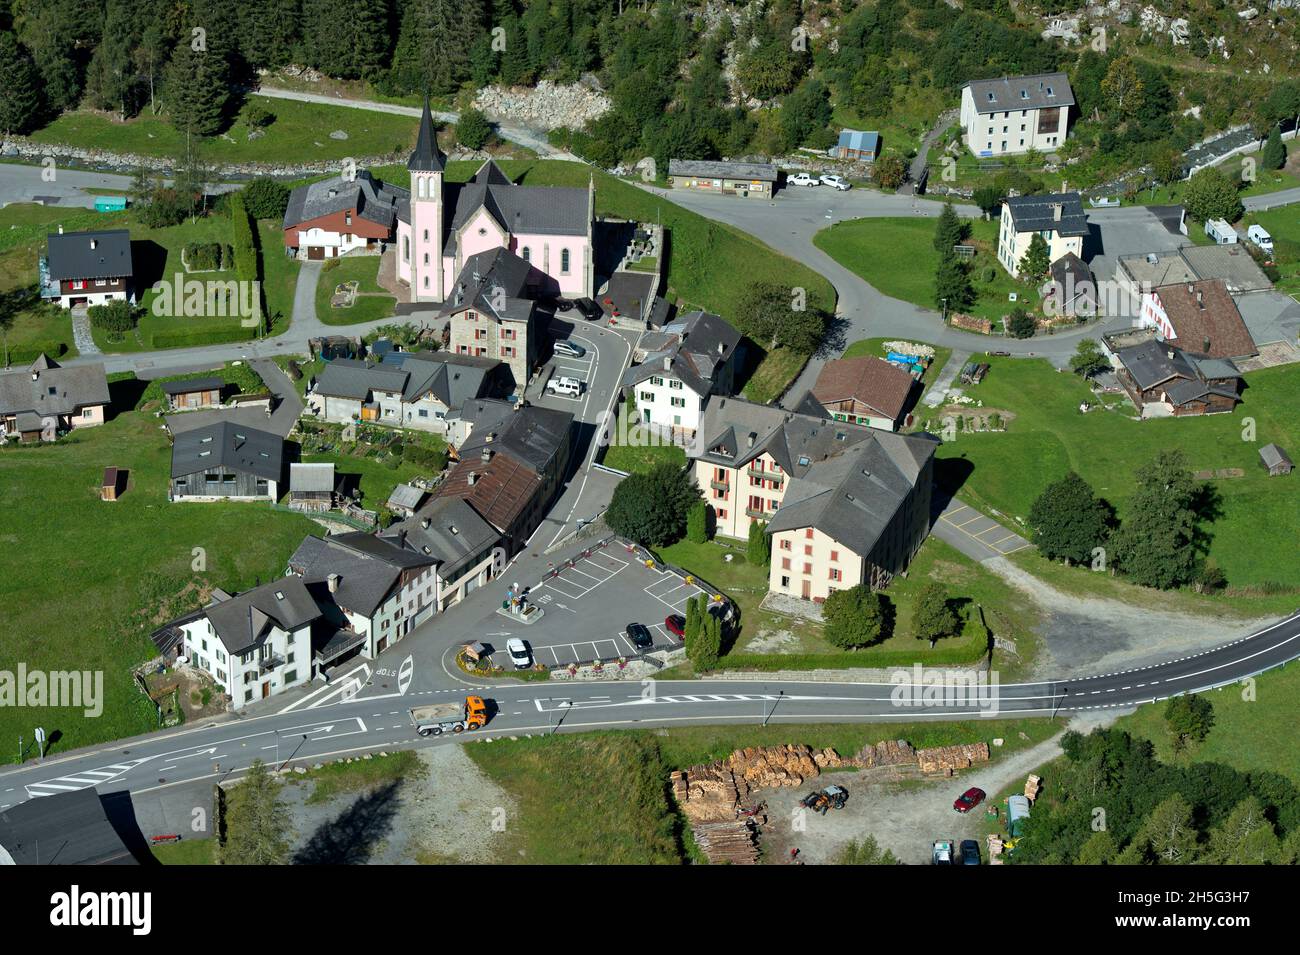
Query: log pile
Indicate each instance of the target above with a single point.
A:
(890, 752)
(995, 849)
(946, 759)
(1033, 786)
(734, 842)
(708, 793)
(764, 766)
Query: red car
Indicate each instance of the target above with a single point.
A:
(676, 625)
(968, 800)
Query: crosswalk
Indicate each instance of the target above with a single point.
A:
(82, 780)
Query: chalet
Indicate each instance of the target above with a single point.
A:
(1162, 380)
(492, 312)
(683, 363)
(190, 393)
(1199, 318)
(1058, 217)
(226, 461)
(750, 180)
(346, 213)
(45, 399)
(855, 517)
(256, 644)
(1015, 114)
(1072, 290)
(90, 268)
(865, 390)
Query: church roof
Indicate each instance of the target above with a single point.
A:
(426, 157)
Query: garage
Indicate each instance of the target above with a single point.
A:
(315, 252)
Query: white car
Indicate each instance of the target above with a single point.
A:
(564, 386)
(802, 179)
(836, 182)
(520, 655)
(572, 349)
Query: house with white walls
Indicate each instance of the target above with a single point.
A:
(1057, 216)
(1014, 114)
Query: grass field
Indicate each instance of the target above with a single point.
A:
(364, 270)
(1046, 436)
(300, 133)
(897, 256)
(83, 582)
(279, 276)
(639, 458)
(187, 852)
(969, 586)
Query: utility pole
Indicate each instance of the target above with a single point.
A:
(779, 696)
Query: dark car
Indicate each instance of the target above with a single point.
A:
(676, 625)
(562, 304)
(970, 852)
(590, 309)
(640, 636)
(968, 800)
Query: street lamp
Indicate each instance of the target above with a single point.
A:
(945, 310)
(779, 696)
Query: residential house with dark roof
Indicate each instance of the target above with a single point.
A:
(683, 363)
(865, 390)
(349, 212)
(1058, 217)
(492, 312)
(1162, 380)
(441, 226)
(89, 268)
(463, 545)
(749, 180)
(855, 517)
(255, 644)
(1199, 318)
(1014, 114)
(372, 590)
(1072, 290)
(226, 461)
(509, 473)
(745, 454)
(44, 400)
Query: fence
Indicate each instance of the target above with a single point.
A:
(338, 516)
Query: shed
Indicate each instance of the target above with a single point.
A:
(193, 392)
(112, 486)
(110, 203)
(311, 486)
(858, 145)
(405, 500)
(1275, 460)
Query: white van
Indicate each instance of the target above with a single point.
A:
(564, 386)
(1259, 235)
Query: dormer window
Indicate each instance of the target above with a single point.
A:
(1051, 92)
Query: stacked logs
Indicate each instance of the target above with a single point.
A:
(946, 759)
(890, 752)
(734, 842)
(1033, 786)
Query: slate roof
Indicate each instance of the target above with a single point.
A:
(189, 385)
(549, 210)
(1231, 263)
(484, 412)
(90, 255)
(228, 445)
(879, 384)
(716, 169)
(405, 496)
(453, 379)
(853, 496)
(1205, 320)
(695, 346)
(55, 390)
(1153, 363)
(494, 282)
(1010, 93)
(66, 828)
(426, 157)
(1035, 213)
(367, 196)
(356, 378)
(368, 568)
(533, 434)
(733, 432)
(243, 621)
(455, 534)
(1273, 456)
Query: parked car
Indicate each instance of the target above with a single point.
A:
(970, 852)
(968, 800)
(589, 308)
(802, 179)
(564, 387)
(676, 625)
(941, 853)
(836, 182)
(640, 636)
(572, 349)
(520, 655)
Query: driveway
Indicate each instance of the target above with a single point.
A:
(974, 534)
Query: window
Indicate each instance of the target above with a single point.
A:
(785, 544)
(807, 569)
(564, 261)
(835, 574)
(722, 514)
(656, 380)
(647, 396)
(674, 383)
(785, 563)
(835, 555)
(406, 248)
(677, 402)
(426, 258)
(424, 413)
(426, 235)
(347, 218)
(807, 550)
(808, 533)
(785, 583)
(528, 254)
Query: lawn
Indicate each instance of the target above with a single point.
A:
(187, 852)
(299, 133)
(37, 327)
(1046, 436)
(83, 582)
(279, 276)
(897, 256)
(969, 586)
(642, 457)
(374, 303)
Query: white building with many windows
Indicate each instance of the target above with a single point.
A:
(1003, 117)
(1057, 216)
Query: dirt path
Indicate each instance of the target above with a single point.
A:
(904, 814)
(1089, 635)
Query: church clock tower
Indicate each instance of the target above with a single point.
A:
(426, 166)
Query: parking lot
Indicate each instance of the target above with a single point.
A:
(587, 602)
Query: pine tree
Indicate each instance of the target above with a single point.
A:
(346, 39)
(1159, 542)
(258, 823)
(20, 106)
(434, 44)
(932, 617)
(196, 94)
(758, 550)
(949, 230)
(1273, 155)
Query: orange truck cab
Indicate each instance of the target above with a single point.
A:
(476, 712)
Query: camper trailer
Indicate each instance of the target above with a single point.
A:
(1221, 231)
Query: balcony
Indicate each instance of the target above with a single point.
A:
(776, 477)
(758, 512)
(720, 485)
(267, 664)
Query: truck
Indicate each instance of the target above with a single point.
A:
(438, 718)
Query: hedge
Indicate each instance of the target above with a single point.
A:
(247, 262)
(215, 336)
(28, 352)
(242, 377)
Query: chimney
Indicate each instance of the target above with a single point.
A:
(401, 537)
(36, 375)
(752, 436)
(1056, 212)
(94, 244)
(668, 362)
(1170, 353)
(334, 583)
(486, 455)
(425, 523)
(472, 479)
(60, 228)
(1200, 300)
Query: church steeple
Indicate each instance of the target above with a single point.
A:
(426, 157)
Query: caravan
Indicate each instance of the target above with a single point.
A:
(1221, 231)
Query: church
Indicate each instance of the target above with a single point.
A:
(439, 227)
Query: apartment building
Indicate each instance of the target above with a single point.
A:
(1058, 217)
(681, 365)
(492, 313)
(1014, 114)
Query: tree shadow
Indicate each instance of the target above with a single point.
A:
(350, 838)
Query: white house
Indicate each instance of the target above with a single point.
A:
(256, 644)
(684, 362)
(88, 268)
(1015, 114)
(1058, 217)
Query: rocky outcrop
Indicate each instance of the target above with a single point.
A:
(545, 106)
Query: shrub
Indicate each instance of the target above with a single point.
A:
(117, 317)
(473, 131)
(266, 199)
(854, 617)
(163, 208)
(203, 256)
(1020, 324)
